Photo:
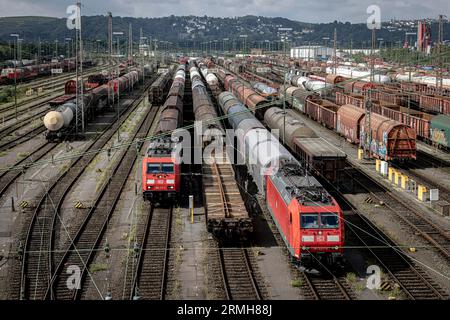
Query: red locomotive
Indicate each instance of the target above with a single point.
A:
(308, 218)
(161, 172)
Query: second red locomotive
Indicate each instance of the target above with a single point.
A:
(161, 172)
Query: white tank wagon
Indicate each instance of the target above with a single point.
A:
(363, 75)
(61, 122)
(61, 117)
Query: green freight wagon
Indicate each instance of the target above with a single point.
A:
(440, 130)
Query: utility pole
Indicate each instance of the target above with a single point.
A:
(372, 57)
(110, 50)
(130, 44)
(81, 72)
(368, 124)
(335, 52)
(439, 80)
(15, 70)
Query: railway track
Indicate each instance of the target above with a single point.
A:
(9, 176)
(409, 215)
(240, 281)
(36, 267)
(146, 275)
(4, 132)
(426, 160)
(325, 287)
(402, 270)
(423, 177)
(86, 240)
(26, 136)
(411, 278)
(239, 278)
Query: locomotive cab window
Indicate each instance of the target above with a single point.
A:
(153, 168)
(329, 220)
(168, 168)
(309, 221)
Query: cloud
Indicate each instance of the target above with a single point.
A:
(300, 10)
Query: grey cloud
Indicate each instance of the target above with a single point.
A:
(301, 10)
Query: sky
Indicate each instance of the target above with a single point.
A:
(300, 10)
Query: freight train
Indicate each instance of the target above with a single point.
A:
(390, 139)
(234, 223)
(30, 72)
(157, 90)
(161, 170)
(429, 128)
(61, 122)
(309, 220)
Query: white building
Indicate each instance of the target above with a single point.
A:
(311, 52)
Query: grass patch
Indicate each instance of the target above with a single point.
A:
(296, 283)
(96, 267)
(22, 155)
(351, 277)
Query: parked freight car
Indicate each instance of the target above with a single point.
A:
(60, 123)
(315, 153)
(387, 139)
(156, 92)
(204, 110)
(230, 221)
(419, 121)
(247, 95)
(440, 131)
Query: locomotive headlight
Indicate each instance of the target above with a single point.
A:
(308, 238)
(170, 181)
(333, 238)
(170, 187)
(150, 181)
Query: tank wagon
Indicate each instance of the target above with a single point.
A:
(204, 109)
(60, 123)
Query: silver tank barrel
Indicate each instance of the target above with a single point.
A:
(60, 118)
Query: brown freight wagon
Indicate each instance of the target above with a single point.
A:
(431, 103)
(320, 156)
(352, 98)
(249, 97)
(323, 111)
(391, 140)
(348, 122)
